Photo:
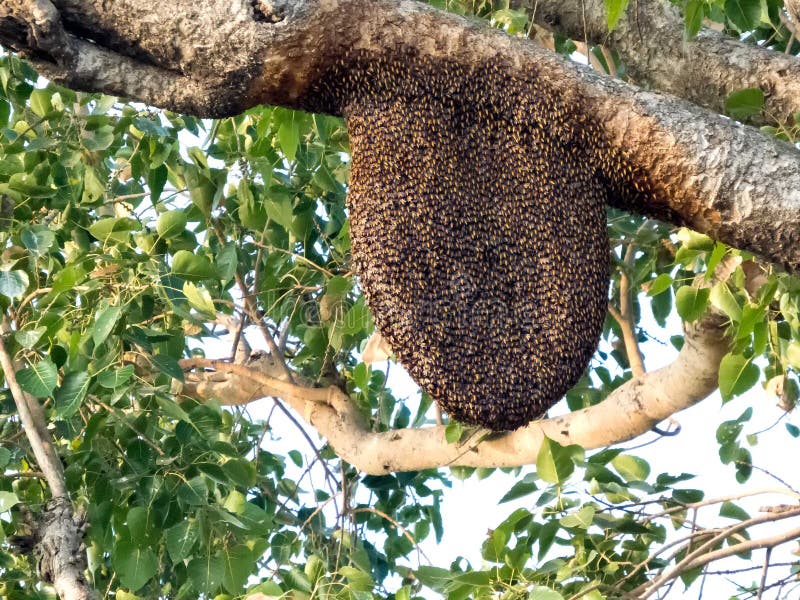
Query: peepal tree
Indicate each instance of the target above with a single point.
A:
(132, 237)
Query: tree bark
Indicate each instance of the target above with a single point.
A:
(705, 70)
(220, 57)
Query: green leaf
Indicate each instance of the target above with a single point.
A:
(199, 298)
(279, 209)
(434, 577)
(694, 240)
(737, 374)
(688, 496)
(744, 14)
(104, 321)
(37, 239)
(192, 267)
(27, 338)
(693, 15)
(115, 378)
(13, 283)
(632, 468)
(134, 566)
(239, 564)
(580, 519)
(658, 285)
(514, 21)
(453, 432)
(793, 430)
(554, 462)
(181, 539)
(359, 580)
(113, 231)
(194, 492)
(691, 302)
(540, 592)
(338, 286)
(7, 501)
(100, 139)
(40, 102)
(171, 223)
(226, 262)
(723, 299)
(5, 112)
(289, 134)
(168, 365)
(5, 457)
(71, 393)
(40, 379)
(793, 355)
(156, 180)
(522, 488)
(614, 10)
(361, 376)
(205, 573)
(733, 511)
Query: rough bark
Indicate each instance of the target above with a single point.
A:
(59, 550)
(221, 57)
(629, 411)
(704, 70)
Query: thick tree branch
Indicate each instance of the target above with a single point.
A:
(705, 70)
(220, 57)
(629, 411)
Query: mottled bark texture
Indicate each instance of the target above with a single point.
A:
(705, 70)
(59, 550)
(219, 57)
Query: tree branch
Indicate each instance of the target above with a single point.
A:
(35, 428)
(702, 556)
(629, 411)
(705, 70)
(219, 58)
(625, 317)
(58, 537)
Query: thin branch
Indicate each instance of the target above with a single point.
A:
(703, 554)
(764, 571)
(720, 499)
(251, 311)
(397, 526)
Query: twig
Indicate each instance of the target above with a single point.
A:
(625, 316)
(764, 573)
(251, 311)
(702, 556)
(330, 478)
(397, 525)
(138, 433)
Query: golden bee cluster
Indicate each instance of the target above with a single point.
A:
(477, 207)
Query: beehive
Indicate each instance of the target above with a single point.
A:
(477, 207)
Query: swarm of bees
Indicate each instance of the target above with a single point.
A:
(478, 227)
